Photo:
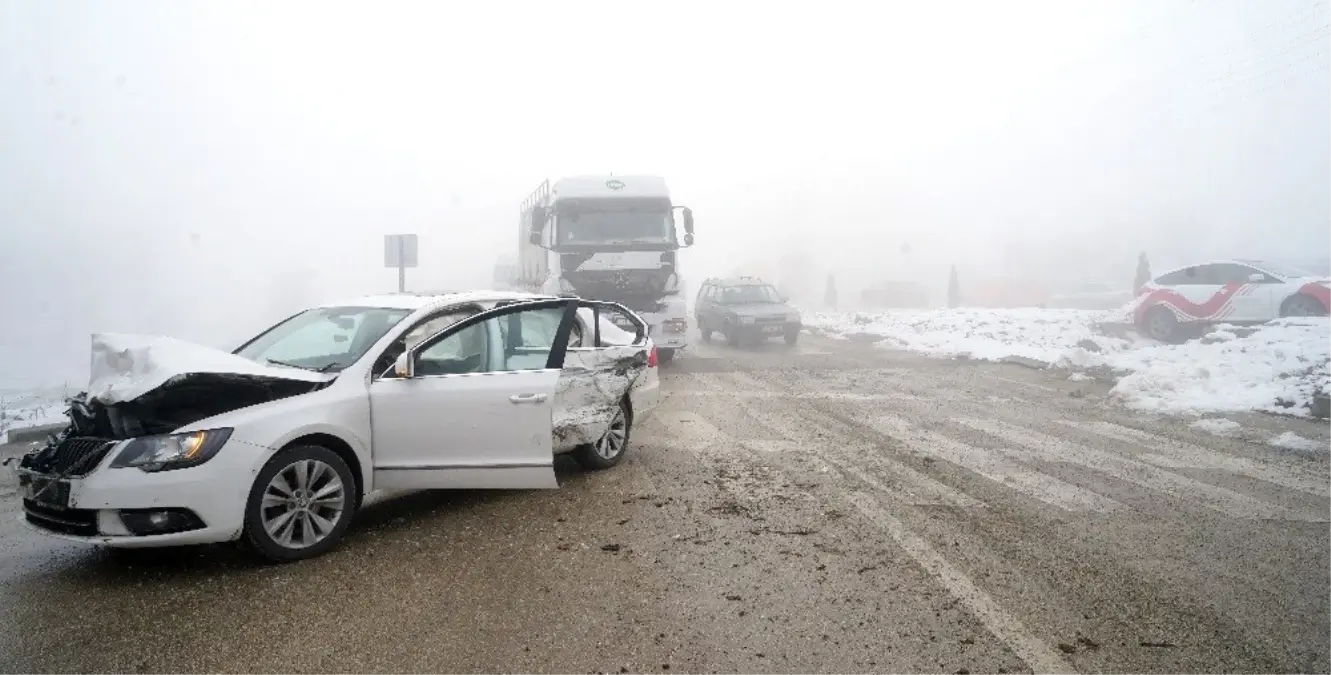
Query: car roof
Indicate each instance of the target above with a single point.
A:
(736, 281)
(1256, 264)
(416, 301)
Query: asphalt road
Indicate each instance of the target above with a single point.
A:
(831, 508)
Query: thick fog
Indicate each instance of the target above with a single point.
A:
(204, 169)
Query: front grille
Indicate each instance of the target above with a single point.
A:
(72, 457)
(77, 522)
(771, 319)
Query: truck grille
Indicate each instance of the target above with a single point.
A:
(72, 457)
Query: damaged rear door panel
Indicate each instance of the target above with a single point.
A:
(598, 375)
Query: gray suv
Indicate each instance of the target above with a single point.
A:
(745, 309)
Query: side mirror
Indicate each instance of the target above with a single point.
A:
(688, 238)
(1257, 277)
(688, 222)
(402, 366)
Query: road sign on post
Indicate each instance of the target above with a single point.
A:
(400, 252)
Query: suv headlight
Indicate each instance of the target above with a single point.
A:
(171, 451)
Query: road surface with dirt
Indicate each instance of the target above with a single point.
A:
(827, 508)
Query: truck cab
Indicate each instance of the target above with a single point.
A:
(614, 238)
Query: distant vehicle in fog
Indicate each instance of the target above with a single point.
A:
(745, 309)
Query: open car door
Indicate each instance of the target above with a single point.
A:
(599, 371)
(470, 407)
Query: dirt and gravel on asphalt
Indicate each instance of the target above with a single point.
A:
(828, 508)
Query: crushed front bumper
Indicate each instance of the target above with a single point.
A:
(130, 508)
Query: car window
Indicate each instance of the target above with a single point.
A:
(752, 293)
(538, 329)
(527, 337)
(1187, 276)
(1227, 273)
(421, 331)
(466, 351)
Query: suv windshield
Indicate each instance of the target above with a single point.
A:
(327, 339)
(741, 295)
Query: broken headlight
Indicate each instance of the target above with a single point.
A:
(171, 451)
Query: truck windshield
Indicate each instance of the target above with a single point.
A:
(604, 227)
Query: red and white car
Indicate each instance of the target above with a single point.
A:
(1230, 291)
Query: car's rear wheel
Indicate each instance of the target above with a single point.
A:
(1160, 324)
(1302, 304)
(300, 504)
(665, 354)
(611, 446)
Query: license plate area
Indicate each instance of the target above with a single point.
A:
(45, 490)
(772, 329)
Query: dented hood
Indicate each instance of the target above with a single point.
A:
(125, 366)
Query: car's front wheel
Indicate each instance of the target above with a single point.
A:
(1160, 324)
(666, 355)
(1302, 305)
(300, 504)
(611, 446)
(706, 332)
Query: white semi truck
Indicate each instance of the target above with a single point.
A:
(609, 238)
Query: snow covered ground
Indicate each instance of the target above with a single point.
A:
(28, 409)
(1276, 367)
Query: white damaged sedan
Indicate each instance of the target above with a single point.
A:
(278, 443)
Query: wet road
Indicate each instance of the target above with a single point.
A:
(831, 508)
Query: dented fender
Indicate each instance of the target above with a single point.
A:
(591, 386)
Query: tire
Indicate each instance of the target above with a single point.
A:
(604, 453)
(1302, 304)
(1160, 324)
(665, 355)
(792, 337)
(706, 332)
(732, 336)
(290, 464)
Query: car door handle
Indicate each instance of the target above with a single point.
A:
(527, 398)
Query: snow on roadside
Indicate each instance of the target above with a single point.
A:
(1276, 367)
(19, 410)
(988, 334)
(1217, 426)
(1279, 367)
(1292, 441)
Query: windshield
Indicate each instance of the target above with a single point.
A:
(741, 295)
(1281, 270)
(615, 226)
(327, 339)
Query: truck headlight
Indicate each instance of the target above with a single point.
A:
(171, 451)
(746, 319)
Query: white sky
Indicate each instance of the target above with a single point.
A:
(203, 168)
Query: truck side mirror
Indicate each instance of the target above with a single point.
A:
(688, 220)
(688, 238)
(538, 218)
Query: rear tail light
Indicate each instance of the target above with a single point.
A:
(651, 358)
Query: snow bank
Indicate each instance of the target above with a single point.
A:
(987, 334)
(1277, 367)
(20, 410)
